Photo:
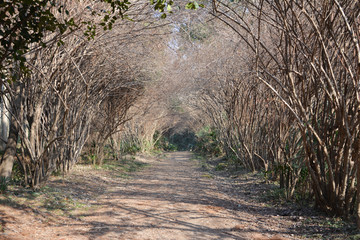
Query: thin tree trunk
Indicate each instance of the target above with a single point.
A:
(356, 157)
(8, 158)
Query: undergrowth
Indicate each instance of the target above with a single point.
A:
(68, 195)
(123, 167)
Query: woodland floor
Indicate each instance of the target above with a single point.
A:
(173, 197)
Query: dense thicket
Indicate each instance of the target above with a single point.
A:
(285, 95)
(74, 90)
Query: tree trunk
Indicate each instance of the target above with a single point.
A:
(8, 158)
(357, 206)
(100, 153)
(356, 157)
(4, 119)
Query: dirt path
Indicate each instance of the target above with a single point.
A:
(171, 199)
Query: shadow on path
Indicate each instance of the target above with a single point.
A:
(171, 200)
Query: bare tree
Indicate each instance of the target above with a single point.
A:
(307, 53)
(73, 87)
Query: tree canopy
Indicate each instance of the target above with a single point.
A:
(27, 23)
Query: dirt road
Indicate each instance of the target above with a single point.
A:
(171, 199)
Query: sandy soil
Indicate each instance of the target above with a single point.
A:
(170, 199)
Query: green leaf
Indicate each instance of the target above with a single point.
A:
(189, 5)
(193, 5)
(196, 5)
